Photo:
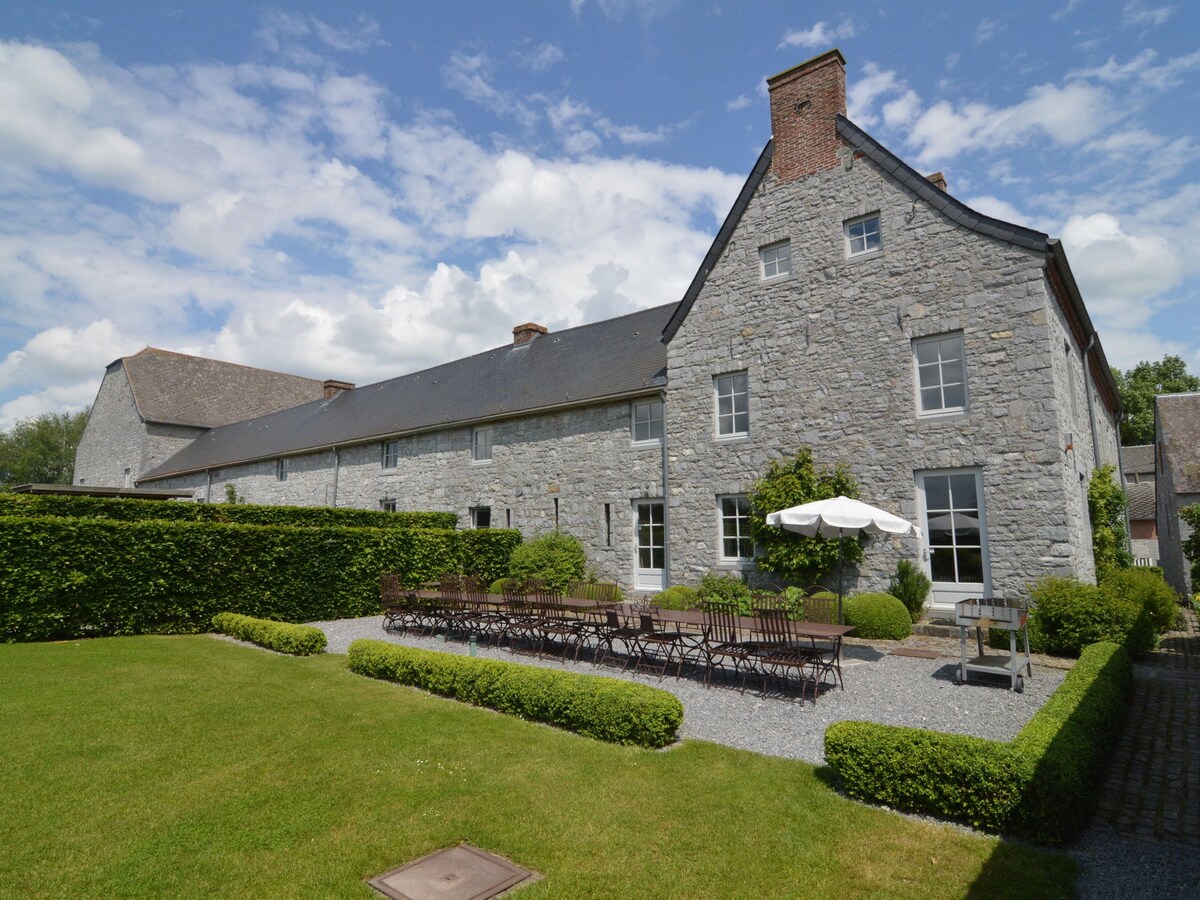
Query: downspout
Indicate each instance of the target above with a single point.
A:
(666, 497)
(208, 487)
(1091, 407)
(336, 464)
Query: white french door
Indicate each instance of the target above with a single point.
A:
(956, 551)
(650, 545)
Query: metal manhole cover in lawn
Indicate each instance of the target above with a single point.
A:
(456, 873)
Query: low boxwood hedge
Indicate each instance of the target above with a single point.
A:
(621, 712)
(298, 640)
(1040, 786)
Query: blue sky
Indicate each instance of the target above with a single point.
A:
(357, 190)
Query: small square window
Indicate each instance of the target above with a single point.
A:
(391, 454)
(387, 505)
(481, 444)
(733, 404)
(281, 469)
(776, 260)
(941, 374)
(648, 422)
(481, 517)
(863, 235)
(736, 545)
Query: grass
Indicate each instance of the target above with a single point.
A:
(154, 765)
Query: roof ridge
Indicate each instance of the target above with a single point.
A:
(223, 362)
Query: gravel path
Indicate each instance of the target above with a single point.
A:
(895, 690)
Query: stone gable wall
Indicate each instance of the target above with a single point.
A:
(114, 437)
(829, 354)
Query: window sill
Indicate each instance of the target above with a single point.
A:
(482, 462)
(732, 438)
(775, 279)
(646, 445)
(864, 257)
(735, 565)
(942, 415)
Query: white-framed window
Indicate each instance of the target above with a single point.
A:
(390, 454)
(647, 422)
(736, 544)
(387, 505)
(481, 443)
(281, 469)
(733, 404)
(863, 235)
(481, 517)
(941, 374)
(775, 260)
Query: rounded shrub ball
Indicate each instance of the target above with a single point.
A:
(557, 558)
(679, 596)
(877, 617)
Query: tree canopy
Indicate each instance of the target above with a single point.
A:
(41, 450)
(1138, 387)
(788, 483)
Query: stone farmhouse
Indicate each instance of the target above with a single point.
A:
(848, 304)
(1177, 480)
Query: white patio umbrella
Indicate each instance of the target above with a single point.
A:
(839, 517)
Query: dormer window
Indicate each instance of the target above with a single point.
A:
(863, 235)
(776, 260)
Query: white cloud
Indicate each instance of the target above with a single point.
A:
(542, 57)
(1137, 13)
(1141, 69)
(741, 101)
(902, 111)
(998, 209)
(863, 92)
(988, 29)
(617, 9)
(819, 36)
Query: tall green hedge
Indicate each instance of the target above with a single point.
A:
(127, 509)
(486, 551)
(64, 577)
(1040, 786)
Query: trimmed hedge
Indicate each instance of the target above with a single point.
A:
(298, 640)
(65, 578)
(1068, 615)
(877, 617)
(678, 596)
(621, 712)
(133, 510)
(1040, 786)
(557, 558)
(486, 551)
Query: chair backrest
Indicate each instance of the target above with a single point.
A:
(593, 590)
(820, 609)
(536, 588)
(771, 622)
(514, 589)
(390, 591)
(474, 589)
(450, 587)
(766, 600)
(721, 621)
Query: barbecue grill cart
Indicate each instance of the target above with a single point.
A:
(1008, 615)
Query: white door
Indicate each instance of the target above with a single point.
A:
(650, 546)
(951, 503)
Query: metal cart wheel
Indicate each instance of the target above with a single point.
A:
(958, 677)
(1020, 685)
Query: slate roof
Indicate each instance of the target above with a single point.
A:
(1138, 459)
(1179, 430)
(946, 204)
(1141, 500)
(177, 389)
(615, 358)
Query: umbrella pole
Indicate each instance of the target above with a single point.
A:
(841, 621)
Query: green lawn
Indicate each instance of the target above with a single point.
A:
(154, 765)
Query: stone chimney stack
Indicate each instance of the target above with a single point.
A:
(805, 101)
(523, 334)
(938, 180)
(333, 388)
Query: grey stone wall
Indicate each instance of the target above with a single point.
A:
(829, 354)
(114, 436)
(582, 458)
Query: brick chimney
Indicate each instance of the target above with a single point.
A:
(938, 180)
(333, 388)
(523, 334)
(804, 103)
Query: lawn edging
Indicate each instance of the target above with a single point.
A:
(298, 640)
(1039, 786)
(620, 712)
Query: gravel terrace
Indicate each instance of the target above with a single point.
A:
(895, 690)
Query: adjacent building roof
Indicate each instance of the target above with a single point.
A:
(1178, 418)
(1141, 500)
(1138, 459)
(91, 490)
(177, 389)
(948, 206)
(615, 358)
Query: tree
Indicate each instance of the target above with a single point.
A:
(1138, 387)
(788, 483)
(1106, 508)
(41, 450)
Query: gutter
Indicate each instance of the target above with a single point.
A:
(666, 498)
